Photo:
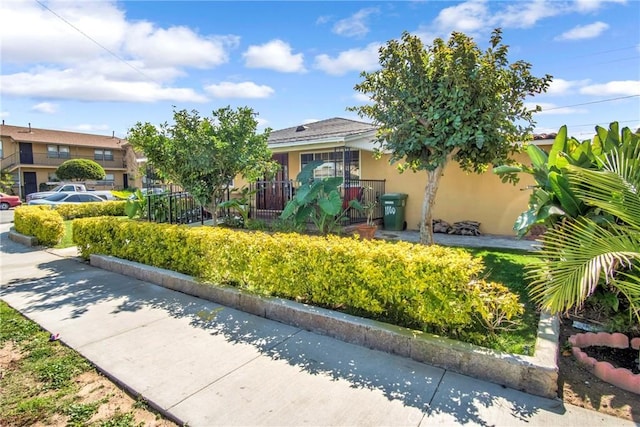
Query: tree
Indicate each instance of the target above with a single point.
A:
(6, 182)
(80, 169)
(203, 155)
(449, 101)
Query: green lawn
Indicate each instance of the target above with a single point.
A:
(508, 267)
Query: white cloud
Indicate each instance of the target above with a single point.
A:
(93, 53)
(239, 90)
(45, 107)
(4, 114)
(467, 17)
(365, 59)
(361, 97)
(89, 127)
(356, 24)
(592, 5)
(613, 88)
(563, 87)
(581, 32)
(274, 55)
(527, 14)
(84, 85)
(177, 46)
(554, 109)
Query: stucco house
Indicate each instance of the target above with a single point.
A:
(347, 147)
(32, 155)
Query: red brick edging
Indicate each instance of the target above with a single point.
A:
(620, 377)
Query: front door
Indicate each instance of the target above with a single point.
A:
(26, 153)
(30, 182)
(274, 194)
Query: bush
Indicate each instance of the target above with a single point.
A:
(84, 210)
(80, 169)
(41, 222)
(432, 288)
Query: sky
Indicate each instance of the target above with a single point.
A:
(102, 66)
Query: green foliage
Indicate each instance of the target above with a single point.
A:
(42, 222)
(318, 201)
(203, 155)
(582, 255)
(135, 207)
(433, 288)
(448, 101)
(551, 198)
(240, 203)
(6, 182)
(80, 169)
(82, 210)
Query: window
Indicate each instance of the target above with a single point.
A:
(58, 151)
(109, 179)
(336, 163)
(103, 155)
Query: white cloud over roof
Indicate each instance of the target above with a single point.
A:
(274, 55)
(365, 59)
(239, 90)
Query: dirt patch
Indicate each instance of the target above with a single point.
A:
(577, 386)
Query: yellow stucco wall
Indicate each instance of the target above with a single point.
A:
(483, 198)
(461, 196)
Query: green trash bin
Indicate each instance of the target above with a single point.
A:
(394, 205)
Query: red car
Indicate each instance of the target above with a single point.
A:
(7, 201)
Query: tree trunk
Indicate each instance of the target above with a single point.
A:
(426, 225)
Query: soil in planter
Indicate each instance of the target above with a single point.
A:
(619, 357)
(578, 386)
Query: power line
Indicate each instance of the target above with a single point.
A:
(106, 49)
(591, 102)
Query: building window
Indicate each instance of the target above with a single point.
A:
(58, 151)
(344, 163)
(103, 155)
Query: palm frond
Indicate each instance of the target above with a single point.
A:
(576, 257)
(609, 191)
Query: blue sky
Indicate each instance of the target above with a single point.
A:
(102, 66)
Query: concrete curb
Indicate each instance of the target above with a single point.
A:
(23, 239)
(536, 374)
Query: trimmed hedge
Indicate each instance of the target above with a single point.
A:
(84, 210)
(42, 222)
(431, 288)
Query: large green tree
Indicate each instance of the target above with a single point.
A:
(204, 154)
(80, 169)
(450, 101)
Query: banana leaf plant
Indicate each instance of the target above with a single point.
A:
(317, 200)
(552, 198)
(579, 256)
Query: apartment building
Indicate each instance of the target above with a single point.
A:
(32, 155)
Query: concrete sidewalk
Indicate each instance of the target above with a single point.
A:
(204, 364)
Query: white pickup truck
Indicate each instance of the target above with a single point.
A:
(66, 188)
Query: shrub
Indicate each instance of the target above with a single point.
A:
(81, 169)
(83, 210)
(41, 222)
(424, 287)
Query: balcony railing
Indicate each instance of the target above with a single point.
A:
(42, 159)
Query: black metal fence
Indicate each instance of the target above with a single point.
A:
(175, 208)
(267, 201)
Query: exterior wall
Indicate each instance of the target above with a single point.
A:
(483, 198)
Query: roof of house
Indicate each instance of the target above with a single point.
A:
(48, 136)
(330, 128)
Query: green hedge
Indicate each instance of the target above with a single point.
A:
(432, 288)
(84, 210)
(42, 222)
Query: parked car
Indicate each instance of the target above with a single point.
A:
(7, 201)
(61, 198)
